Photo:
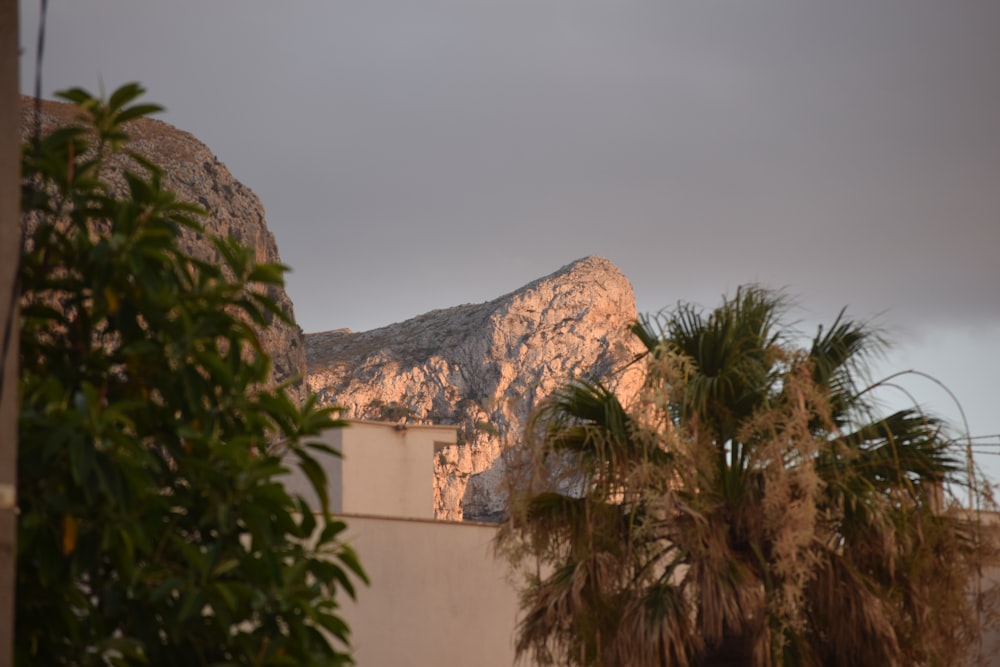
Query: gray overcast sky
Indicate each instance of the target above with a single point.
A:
(418, 155)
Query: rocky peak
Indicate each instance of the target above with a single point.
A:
(196, 175)
(483, 367)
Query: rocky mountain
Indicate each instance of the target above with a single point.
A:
(195, 174)
(483, 367)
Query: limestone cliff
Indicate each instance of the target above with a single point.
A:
(196, 175)
(483, 367)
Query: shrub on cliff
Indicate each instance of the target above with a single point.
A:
(154, 527)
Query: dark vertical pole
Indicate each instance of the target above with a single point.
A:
(10, 246)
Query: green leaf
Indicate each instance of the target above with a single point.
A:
(123, 95)
(138, 111)
(317, 479)
(349, 558)
(225, 567)
(78, 96)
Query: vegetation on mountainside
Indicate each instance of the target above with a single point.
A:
(154, 527)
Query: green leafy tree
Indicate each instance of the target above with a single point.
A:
(154, 527)
(748, 507)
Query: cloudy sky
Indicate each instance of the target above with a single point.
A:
(419, 155)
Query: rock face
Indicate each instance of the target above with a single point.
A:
(483, 367)
(196, 175)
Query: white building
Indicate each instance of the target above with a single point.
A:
(438, 597)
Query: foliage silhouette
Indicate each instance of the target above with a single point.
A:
(748, 507)
(154, 527)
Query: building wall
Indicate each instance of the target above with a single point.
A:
(386, 470)
(438, 597)
(989, 650)
(389, 471)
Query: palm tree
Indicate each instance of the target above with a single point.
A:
(748, 507)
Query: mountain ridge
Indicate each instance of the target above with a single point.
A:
(483, 367)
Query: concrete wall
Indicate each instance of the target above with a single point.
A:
(438, 596)
(386, 469)
(389, 471)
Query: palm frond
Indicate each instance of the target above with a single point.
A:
(839, 357)
(904, 446)
(750, 506)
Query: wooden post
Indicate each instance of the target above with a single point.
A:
(10, 247)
